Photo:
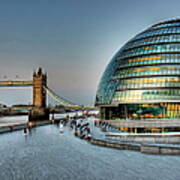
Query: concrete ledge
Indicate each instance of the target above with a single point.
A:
(16, 127)
(121, 146)
(156, 149)
(145, 138)
(150, 149)
(11, 128)
(144, 148)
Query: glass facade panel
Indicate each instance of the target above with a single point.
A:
(146, 70)
(148, 111)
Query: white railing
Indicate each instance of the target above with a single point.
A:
(156, 123)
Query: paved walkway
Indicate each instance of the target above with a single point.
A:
(95, 131)
(46, 154)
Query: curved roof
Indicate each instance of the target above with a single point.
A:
(146, 68)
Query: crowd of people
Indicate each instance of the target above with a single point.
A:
(81, 128)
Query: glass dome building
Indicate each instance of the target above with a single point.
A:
(143, 78)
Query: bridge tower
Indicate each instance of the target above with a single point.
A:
(39, 110)
(39, 93)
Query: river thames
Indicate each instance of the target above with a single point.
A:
(45, 154)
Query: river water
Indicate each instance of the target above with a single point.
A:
(45, 154)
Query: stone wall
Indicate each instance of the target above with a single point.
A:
(140, 138)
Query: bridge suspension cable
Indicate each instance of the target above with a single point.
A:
(60, 100)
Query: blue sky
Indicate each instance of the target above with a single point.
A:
(73, 40)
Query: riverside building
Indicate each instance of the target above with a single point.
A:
(142, 80)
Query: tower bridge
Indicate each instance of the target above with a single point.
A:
(39, 109)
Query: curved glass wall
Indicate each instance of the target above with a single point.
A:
(146, 70)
